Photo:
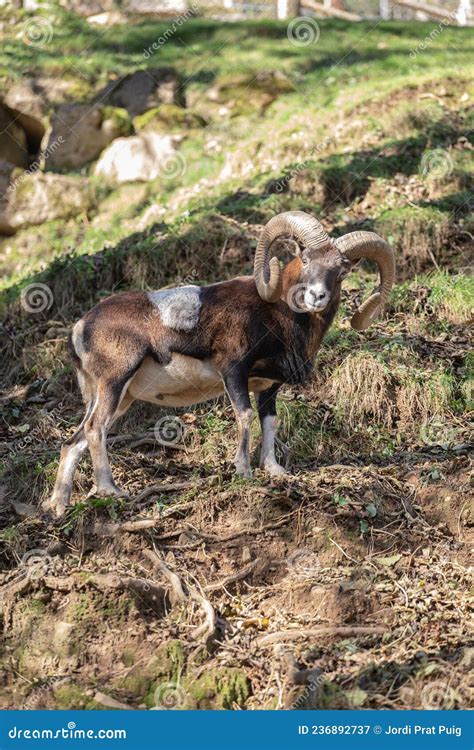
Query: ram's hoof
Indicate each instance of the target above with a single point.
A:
(243, 470)
(275, 470)
(108, 490)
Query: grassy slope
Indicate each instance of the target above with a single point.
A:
(349, 140)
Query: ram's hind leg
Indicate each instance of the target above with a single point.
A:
(71, 453)
(236, 384)
(112, 401)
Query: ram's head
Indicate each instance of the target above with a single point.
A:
(321, 264)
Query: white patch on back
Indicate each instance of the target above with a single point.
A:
(179, 307)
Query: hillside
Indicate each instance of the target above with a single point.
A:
(368, 127)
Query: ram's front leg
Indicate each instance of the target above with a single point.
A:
(266, 403)
(236, 384)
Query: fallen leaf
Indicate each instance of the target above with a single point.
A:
(388, 561)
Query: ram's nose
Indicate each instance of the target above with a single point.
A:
(317, 297)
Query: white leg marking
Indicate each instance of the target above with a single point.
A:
(267, 455)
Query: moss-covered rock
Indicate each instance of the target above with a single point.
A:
(34, 198)
(71, 697)
(79, 133)
(221, 688)
(168, 117)
(233, 95)
(117, 121)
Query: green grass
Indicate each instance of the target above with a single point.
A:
(350, 128)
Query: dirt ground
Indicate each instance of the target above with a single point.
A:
(344, 585)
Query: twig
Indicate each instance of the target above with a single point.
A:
(235, 577)
(288, 635)
(344, 553)
(155, 488)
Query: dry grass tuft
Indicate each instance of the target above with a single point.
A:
(360, 389)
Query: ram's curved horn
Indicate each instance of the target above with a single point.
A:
(304, 228)
(357, 245)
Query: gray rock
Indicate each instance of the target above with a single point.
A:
(140, 158)
(80, 132)
(13, 140)
(144, 90)
(34, 198)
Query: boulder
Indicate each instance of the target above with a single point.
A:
(33, 198)
(13, 140)
(108, 18)
(7, 176)
(143, 90)
(168, 117)
(88, 7)
(140, 158)
(29, 113)
(155, 7)
(22, 97)
(80, 132)
(240, 94)
(54, 90)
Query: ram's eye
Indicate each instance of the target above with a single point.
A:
(305, 261)
(344, 270)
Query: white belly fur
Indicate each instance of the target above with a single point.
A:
(182, 382)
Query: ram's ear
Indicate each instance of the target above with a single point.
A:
(346, 266)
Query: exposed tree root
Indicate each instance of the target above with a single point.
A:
(289, 635)
(207, 629)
